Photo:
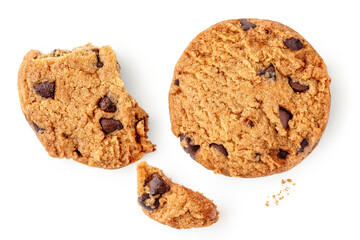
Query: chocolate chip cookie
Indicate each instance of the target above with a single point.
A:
(172, 204)
(78, 107)
(249, 98)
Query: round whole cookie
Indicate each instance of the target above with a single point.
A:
(76, 103)
(249, 98)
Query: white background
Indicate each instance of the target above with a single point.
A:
(48, 198)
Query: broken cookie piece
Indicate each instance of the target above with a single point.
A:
(172, 204)
(77, 104)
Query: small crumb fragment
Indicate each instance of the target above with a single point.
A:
(281, 195)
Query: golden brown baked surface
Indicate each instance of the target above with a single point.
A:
(77, 105)
(249, 98)
(172, 204)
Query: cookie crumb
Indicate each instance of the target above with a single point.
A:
(276, 198)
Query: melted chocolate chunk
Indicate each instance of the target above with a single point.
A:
(190, 149)
(246, 24)
(37, 128)
(45, 89)
(251, 123)
(95, 50)
(107, 105)
(54, 53)
(78, 152)
(176, 82)
(304, 143)
(99, 64)
(142, 201)
(285, 116)
(158, 185)
(297, 87)
(282, 154)
(294, 43)
(220, 148)
(269, 72)
(110, 125)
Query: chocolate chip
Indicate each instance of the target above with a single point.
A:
(285, 116)
(266, 31)
(297, 87)
(294, 43)
(282, 154)
(53, 53)
(251, 123)
(107, 105)
(138, 132)
(182, 136)
(269, 72)
(109, 125)
(98, 64)
(176, 82)
(142, 201)
(246, 24)
(190, 149)
(78, 152)
(303, 145)
(37, 128)
(118, 65)
(45, 89)
(158, 185)
(220, 148)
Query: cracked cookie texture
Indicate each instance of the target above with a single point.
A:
(249, 98)
(172, 204)
(78, 107)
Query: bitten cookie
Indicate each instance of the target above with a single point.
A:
(172, 204)
(78, 107)
(249, 98)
